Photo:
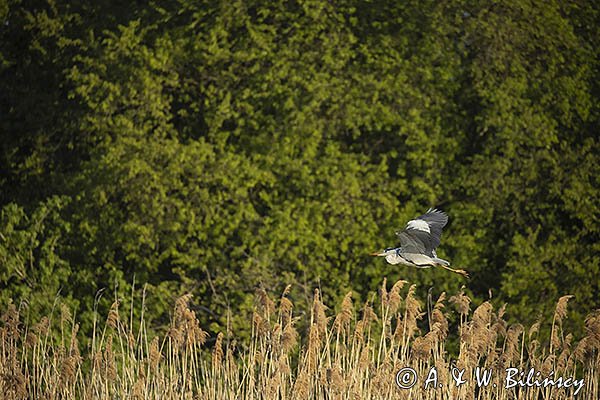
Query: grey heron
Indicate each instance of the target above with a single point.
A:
(418, 242)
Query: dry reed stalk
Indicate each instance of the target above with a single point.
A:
(510, 351)
(289, 338)
(351, 359)
(394, 299)
(266, 305)
(412, 313)
(285, 307)
(559, 314)
(342, 320)
(438, 319)
(318, 316)
(461, 301)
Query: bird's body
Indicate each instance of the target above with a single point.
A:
(418, 242)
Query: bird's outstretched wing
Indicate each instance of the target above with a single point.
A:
(436, 220)
(423, 234)
(415, 241)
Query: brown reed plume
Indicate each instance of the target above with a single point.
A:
(352, 354)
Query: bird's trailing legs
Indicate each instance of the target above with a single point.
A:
(458, 271)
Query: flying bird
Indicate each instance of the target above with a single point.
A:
(418, 242)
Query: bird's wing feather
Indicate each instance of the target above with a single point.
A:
(436, 220)
(418, 259)
(415, 241)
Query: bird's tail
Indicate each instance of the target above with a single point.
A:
(441, 262)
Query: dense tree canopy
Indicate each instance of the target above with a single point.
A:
(217, 147)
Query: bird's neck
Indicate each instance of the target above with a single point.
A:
(393, 258)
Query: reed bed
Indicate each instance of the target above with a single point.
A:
(356, 353)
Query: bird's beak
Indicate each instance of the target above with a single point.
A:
(378, 253)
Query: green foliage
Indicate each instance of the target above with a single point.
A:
(32, 270)
(214, 148)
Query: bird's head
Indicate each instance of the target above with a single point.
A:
(385, 252)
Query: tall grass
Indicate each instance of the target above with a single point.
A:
(354, 354)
